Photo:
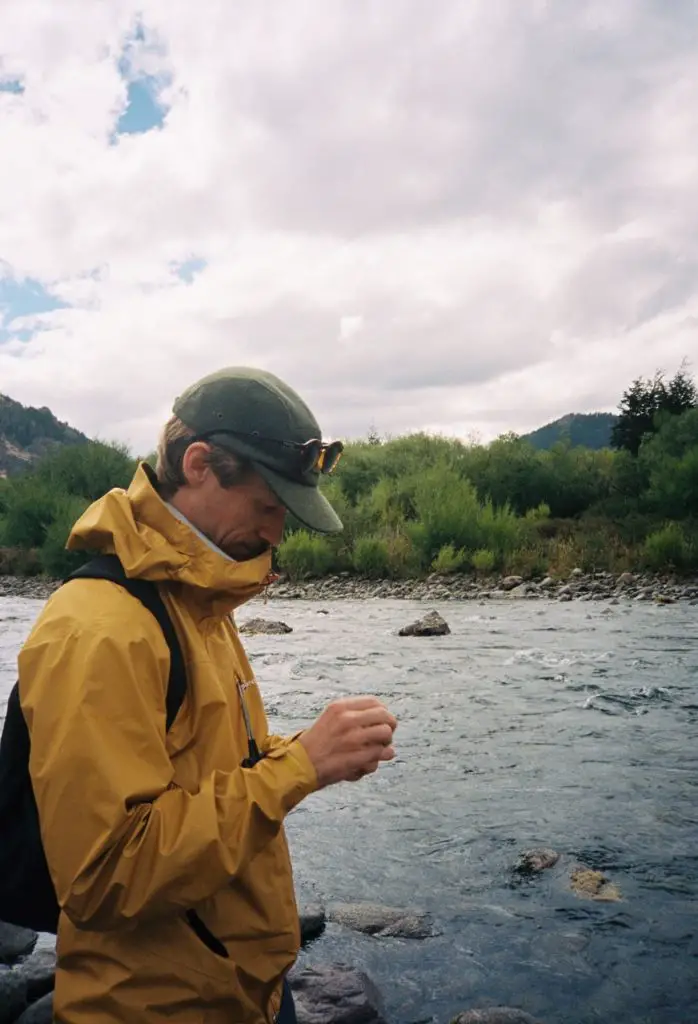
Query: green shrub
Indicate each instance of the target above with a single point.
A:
(372, 557)
(528, 562)
(539, 514)
(500, 529)
(301, 555)
(447, 508)
(20, 562)
(88, 470)
(55, 560)
(403, 556)
(484, 561)
(667, 548)
(448, 559)
(30, 510)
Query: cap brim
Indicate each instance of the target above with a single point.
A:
(304, 501)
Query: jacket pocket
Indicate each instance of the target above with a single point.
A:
(205, 935)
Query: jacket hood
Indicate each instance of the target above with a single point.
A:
(155, 543)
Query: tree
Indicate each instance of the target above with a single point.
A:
(670, 460)
(644, 402)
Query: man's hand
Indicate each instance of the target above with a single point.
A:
(350, 739)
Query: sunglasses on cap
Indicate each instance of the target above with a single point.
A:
(315, 456)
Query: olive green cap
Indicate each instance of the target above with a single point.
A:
(260, 411)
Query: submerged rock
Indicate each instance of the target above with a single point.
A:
(38, 972)
(15, 942)
(313, 919)
(335, 994)
(40, 1012)
(532, 861)
(22, 985)
(594, 885)
(383, 922)
(431, 625)
(13, 995)
(253, 626)
(494, 1015)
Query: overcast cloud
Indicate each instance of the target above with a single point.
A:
(465, 217)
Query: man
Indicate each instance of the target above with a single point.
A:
(168, 855)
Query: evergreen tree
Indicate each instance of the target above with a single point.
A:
(644, 402)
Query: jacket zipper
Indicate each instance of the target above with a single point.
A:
(205, 935)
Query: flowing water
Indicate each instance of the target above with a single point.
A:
(573, 726)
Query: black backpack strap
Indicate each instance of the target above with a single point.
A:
(108, 567)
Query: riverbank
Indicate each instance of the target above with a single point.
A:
(600, 586)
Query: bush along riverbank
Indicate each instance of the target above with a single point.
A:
(422, 504)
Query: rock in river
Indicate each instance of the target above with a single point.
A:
(38, 972)
(40, 1012)
(594, 885)
(431, 625)
(532, 861)
(335, 994)
(15, 942)
(384, 922)
(494, 1015)
(25, 983)
(13, 995)
(253, 626)
(313, 919)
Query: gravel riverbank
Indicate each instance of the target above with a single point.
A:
(600, 586)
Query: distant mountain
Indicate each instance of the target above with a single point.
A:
(27, 433)
(590, 430)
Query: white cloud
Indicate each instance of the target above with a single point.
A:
(466, 217)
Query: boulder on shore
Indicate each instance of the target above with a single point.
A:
(431, 625)
(511, 582)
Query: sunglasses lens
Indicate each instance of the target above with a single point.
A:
(331, 456)
(311, 454)
(321, 458)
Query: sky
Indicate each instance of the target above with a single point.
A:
(466, 218)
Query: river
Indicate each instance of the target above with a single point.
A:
(573, 726)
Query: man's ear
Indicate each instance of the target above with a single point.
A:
(195, 466)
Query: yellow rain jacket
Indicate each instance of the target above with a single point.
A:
(140, 826)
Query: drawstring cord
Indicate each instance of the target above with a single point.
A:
(254, 753)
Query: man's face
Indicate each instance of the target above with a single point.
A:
(244, 521)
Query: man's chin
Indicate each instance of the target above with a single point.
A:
(245, 554)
